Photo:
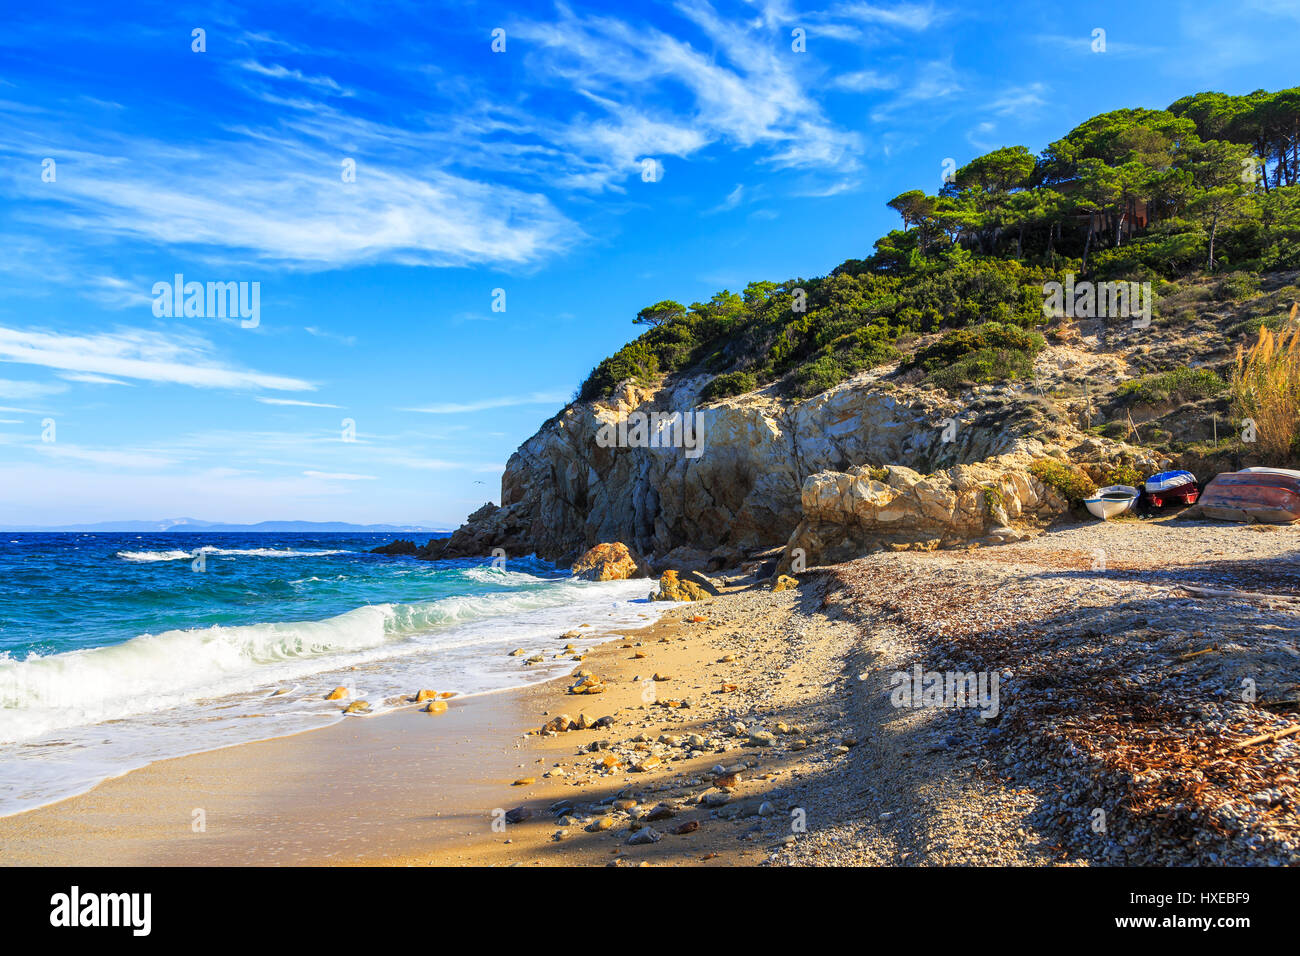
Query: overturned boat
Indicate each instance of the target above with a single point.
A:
(1269, 495)
(1172, 488)
(1113, 500)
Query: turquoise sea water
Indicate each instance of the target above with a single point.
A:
(119, 649)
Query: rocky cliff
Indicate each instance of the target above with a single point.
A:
(768, 467)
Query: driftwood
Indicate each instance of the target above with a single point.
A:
(1239, 595)
(1267, 738)
(1189, 656)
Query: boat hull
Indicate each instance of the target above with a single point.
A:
(1112, 501)
(1171, 488)
(1267, 496)
(1178, 496)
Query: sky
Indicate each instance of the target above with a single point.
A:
(446, 237)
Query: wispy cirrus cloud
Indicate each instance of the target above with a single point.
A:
(144, 355)
(10, 388)
(1018, 100)
(907, 16)
(503, 401)
(286, 204)
(264, 184)
(277, 72)
(114, 458)
(89, 379)
(1082, 44)
(746, 93)
(860, 81)
(293, 401)
(934, 81)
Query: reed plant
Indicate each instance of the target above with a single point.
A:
(1266, 389)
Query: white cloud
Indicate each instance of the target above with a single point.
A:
(732, 201)
(907, 16)
(146, 355)
(278, 72)
(862, 81)
(338, 476)
(1018, 100)
(92, 379)
(744, 93)
(293, 401)
(505, 401)
(9, 388)
(1082, 43)
(114, 458)
(934, 81)
(325, 334)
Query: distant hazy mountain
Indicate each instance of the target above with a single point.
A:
(193, 524)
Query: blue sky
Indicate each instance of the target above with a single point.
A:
(475, 171)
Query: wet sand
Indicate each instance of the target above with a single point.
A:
(362, 788)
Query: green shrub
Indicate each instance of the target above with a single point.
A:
(992, 352)
(1180, 384)
(1237, 286)
(732, 383)
(984, 367)
(1067, 480)
(817, 376)
(993, 499)
(1250, 328)
(1115, 430)
(991, 336)
(1123, 475)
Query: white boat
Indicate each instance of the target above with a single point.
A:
(1113, 500)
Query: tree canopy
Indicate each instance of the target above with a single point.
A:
(1211, 183)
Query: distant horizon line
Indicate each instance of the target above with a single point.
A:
(268, 526)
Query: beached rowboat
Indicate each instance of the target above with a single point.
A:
(1172, 487)
(1256, 494)
(1112, 501)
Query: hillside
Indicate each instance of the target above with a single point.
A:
(1077, 317)
(1204, 189)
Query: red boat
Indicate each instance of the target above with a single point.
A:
(1256, 494)
(1171, 488)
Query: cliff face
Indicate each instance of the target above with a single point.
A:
(563, 492)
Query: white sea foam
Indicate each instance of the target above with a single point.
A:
(182, 691)
(148, 556)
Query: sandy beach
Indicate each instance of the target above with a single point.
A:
(757, 727)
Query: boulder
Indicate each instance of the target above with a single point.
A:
(402, 546)
(847, 514)
(672, 587)
(607, 562)
(695, 577)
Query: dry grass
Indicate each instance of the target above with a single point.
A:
(1266, 389)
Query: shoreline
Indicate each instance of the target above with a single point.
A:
(466, 750)
(789, 751)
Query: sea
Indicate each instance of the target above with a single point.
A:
(117, 650)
